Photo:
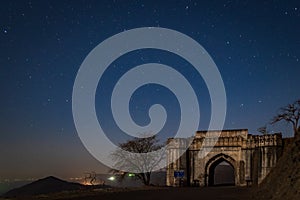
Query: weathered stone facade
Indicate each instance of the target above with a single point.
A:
(251, 156)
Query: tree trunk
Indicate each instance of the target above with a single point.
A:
(148, 174)
(146, 178)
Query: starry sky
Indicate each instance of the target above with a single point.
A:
(255, 45)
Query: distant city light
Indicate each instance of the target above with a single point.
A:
(86, 183)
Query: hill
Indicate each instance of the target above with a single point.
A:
(44, 186)
(283, 182)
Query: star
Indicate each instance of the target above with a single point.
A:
(5, 31)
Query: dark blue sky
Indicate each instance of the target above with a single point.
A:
(255, 45)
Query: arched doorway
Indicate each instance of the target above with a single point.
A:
(220, 171)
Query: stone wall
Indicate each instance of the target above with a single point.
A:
(251, 156)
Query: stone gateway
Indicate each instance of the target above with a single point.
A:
(246, 158)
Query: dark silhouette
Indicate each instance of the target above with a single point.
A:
(90, 177)
(262, 130)
(44, 186)
(141, 164)
(290, 114)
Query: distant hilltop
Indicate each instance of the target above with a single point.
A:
(46, 185)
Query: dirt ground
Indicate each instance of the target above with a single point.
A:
(212, 193)
(220, 193)
(153, 193)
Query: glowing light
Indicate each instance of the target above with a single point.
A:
(131, 175)
(86, 183)
(112, 178)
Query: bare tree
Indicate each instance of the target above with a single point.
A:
(290, 114)
(263, 130)
(141, 164)
(91, 177)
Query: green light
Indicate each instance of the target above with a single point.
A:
(131, 175)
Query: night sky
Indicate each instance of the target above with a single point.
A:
(255, 45)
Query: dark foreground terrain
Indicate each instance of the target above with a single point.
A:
(220, 193)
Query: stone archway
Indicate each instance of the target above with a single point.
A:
(251, 156)
(213, 163)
